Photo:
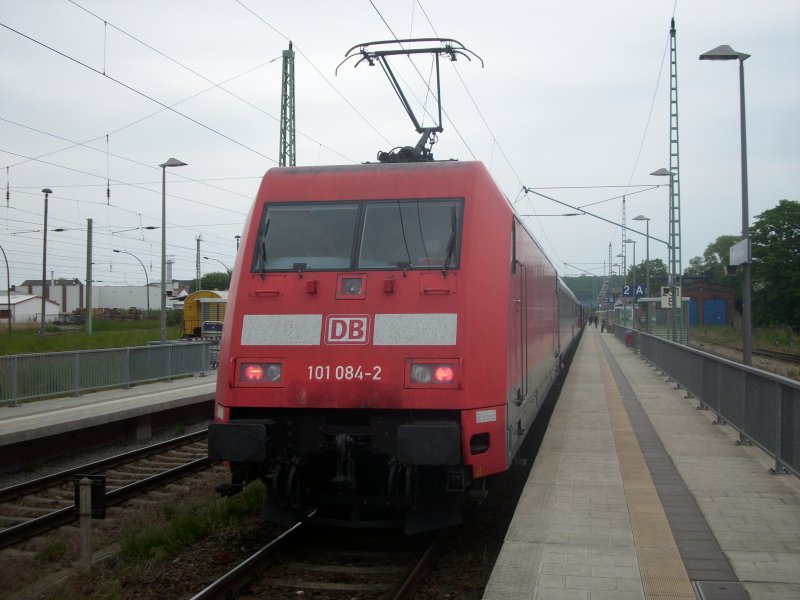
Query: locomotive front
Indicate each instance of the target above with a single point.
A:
(342, 377)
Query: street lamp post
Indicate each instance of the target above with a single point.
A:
(647, 266)
(146, 278)
(8, 288)
(624, 267)
(46, 192)
(647, 250)
(227, 270)
(673, 260)
(172, 162)
(725, 52)
(634, 281)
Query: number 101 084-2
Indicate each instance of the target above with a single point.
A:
(343, 373)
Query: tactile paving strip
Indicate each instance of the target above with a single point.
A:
(662, 499)
(660, 565)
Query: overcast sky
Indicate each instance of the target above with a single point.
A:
(572, 101)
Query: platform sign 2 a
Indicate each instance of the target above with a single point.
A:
(638, 292)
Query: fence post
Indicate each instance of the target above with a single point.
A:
(76, 373)
(13, 401)
(169, 362)
(779, 468)
(127, 368)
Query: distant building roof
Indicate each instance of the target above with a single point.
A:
(49, 282)
(20, 298)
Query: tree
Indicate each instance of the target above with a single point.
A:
(775, 239)
(713, 264)
(215, 281)
(658, 274)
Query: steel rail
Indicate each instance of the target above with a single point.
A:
(63, 516)
(35, 485)
(243, 573)
(409, 585)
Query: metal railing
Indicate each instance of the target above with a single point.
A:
(762, 407)
(29, 376)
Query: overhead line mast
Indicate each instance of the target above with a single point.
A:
(674, 160)
(286, 150)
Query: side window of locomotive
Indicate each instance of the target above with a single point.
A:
(410, 234)
(306, 237)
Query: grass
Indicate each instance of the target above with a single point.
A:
(782, 339)
(183, 526)
(106, 333)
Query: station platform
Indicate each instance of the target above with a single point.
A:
(636, 494)
(133, 413)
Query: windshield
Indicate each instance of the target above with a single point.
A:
(397, 234)
(307, 236)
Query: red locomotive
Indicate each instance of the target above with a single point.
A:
(391, 332)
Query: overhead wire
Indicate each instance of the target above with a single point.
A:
(299, 50)
(138, 92)
(214, 84)
(474, 102)
(108, 154)
(444, 111)
(81, 171)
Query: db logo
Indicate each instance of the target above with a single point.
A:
(346, 329)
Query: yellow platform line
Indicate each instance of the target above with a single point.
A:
(660, 565)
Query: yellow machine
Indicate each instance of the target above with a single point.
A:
(201, 307)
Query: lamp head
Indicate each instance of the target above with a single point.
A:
(172, 162)
(641, 218)
(47, 191)
(724, 52)
(662, 172)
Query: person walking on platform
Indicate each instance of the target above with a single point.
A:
(602, 326)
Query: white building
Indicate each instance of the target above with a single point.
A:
(127, 296)
(67, 293)
(26, 308)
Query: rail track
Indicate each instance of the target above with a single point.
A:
(733, 352)
(306, 560)
(34, 507)
(786, 356)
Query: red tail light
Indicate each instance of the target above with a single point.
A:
(444, 374)
(253, 372)
(259, 374)
(431, 373)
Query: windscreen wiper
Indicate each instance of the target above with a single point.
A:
(262, 251)
(451, 242)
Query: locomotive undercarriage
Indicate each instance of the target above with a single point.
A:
(358, 469)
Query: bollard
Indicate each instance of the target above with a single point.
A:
(86, 521)
(90, 503)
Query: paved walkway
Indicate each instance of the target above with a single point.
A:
(42, 418)
(635, 494)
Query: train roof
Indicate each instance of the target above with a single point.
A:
(467, 169)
